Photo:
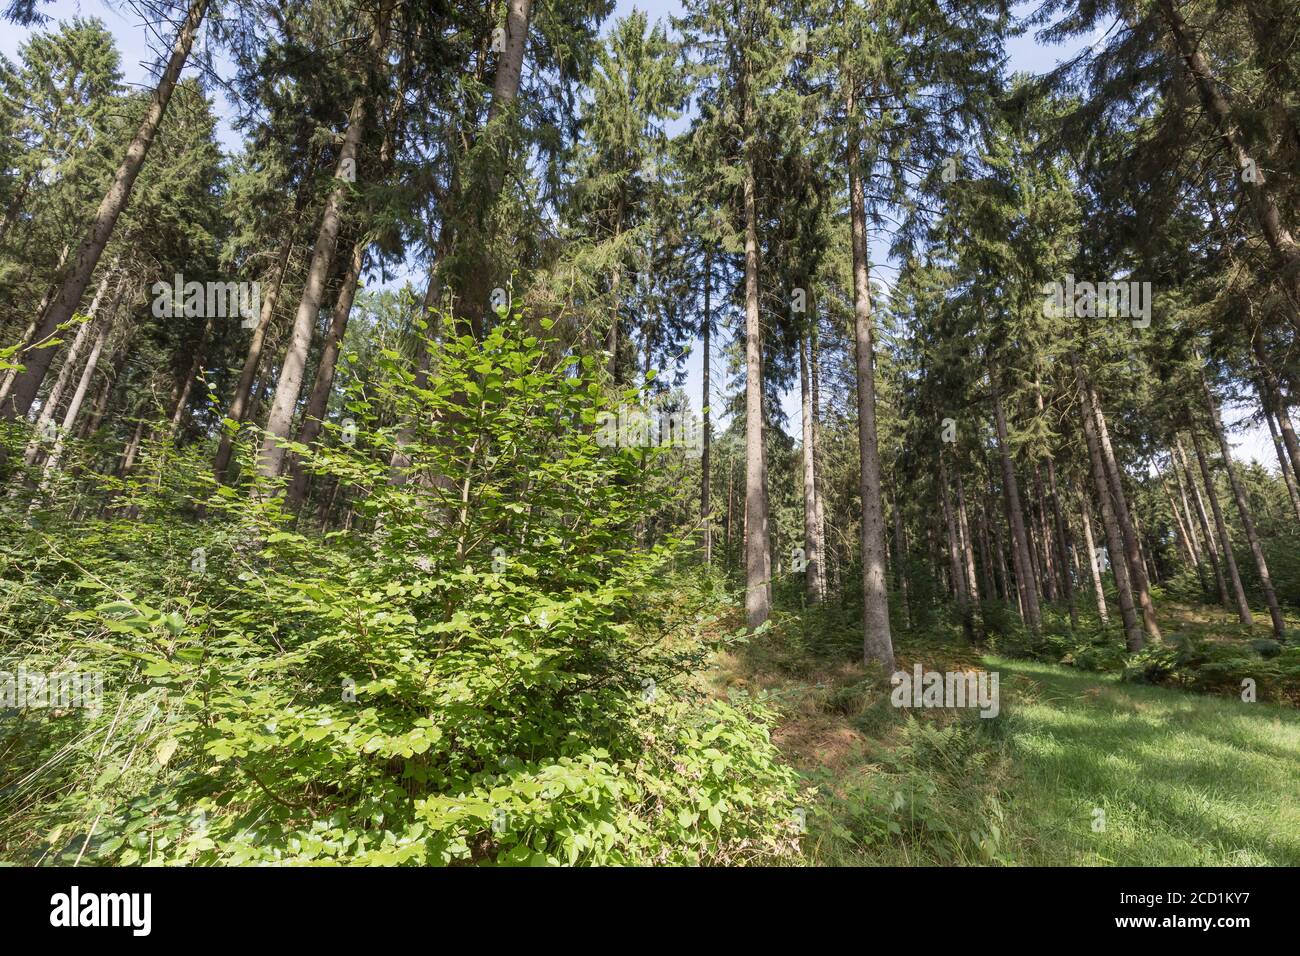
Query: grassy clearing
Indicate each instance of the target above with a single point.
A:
(1181, 778)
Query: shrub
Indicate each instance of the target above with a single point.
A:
(481, 669)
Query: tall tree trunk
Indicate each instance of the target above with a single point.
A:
(1185, 549)
(1051, 574)
(987, 574)
(78, 396)
(900, 550)
(1132, 549)
(814, 573)
(11, 375)
(1247, 521)
(1119, 564)
(706, 396)
(1284, 466)
(505, 89)
(240, 402)
(37, 362)
(956, 570)
(1225, 542)
(968, 548)
(819, 484)
(280, 418)
(758, 571)
(878, 644)
(1182, 467)
(50, 407)
(314, 414)
(1278, 403)
(183, 401)
(1091, 545)
(1024, 567)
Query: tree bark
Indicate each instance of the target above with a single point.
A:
(50, 408)
(1091, 545)
(1225, 542)
(240, 402)
(1182, 467)
(1024, 567)
(956, 569)
(819, 484)
(1278, 402)
(706, 397)
(183, 401)
(901, 562)
(1119, 564)
(878, 644)
(78, 396)
(814, 573)
(1284, 466)
(1247, 521)
(758, 571)
(505, 89)
(314, 414)
(1119, 501)
(280, 418)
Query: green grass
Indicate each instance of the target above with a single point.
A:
(1183, 779)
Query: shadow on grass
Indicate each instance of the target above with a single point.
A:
(1180, 778)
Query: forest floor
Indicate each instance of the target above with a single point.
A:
(1078, 768)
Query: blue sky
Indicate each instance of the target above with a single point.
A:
(140, 51)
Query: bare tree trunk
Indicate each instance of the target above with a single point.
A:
(240, 402)
(818, 467)
(11, 375)
(1091, 545)
(1211, 548)
(1247, 521)
(1273, 391)
(49, 409)
(1284, 467)
(878, 644)
(758, 571)
(900, 549)
(280, 418)
(37, 361)
(183, 401)
(1225, 542)
(1020, 556)
(505, 89)
(956, 569)
(706, 397)
(987, 574)
(78, 396)
(1132, 550)
(314, 414)
(1185, 549)
(1119, 564)
(1047, 552)
(814, 573)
